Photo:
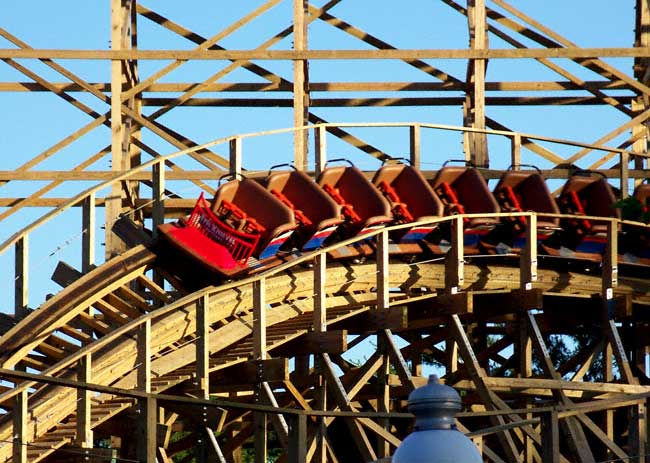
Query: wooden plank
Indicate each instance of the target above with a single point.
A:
(283, 86)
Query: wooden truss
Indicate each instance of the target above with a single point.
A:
(264, 366)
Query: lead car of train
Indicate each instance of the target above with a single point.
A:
(251, 225)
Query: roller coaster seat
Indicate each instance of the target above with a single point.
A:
(532, 194)
(306, 196)
(596, 198)
(260, 205)
(471, 190)
(412, 190)
(642, 193)
(357, 191)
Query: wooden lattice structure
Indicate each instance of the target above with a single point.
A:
(154, 352)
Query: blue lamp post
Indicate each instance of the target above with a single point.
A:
(435, 438)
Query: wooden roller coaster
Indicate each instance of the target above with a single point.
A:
(310, 355)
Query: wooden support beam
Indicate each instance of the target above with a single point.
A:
(279, 422)
(273, 370)
(475, 105)
(235, 157)
(84, 431)
(21, 277)
(158, 196)
(415, 141)
(20, 432)
(550, 437)
(120, 20)
(477, 375)
(320, 140)
(454, 259)
(260, 440)
(577, 441)
(297, 443)
(259, 319)
(638, 433)
(515, 150)
(300, 85)
(147, 429)
(203, 346)
(144, 357)
(383, 271)
(320, 299)
(528, 274)
(610, 261)
(88, 240)
(343, 401)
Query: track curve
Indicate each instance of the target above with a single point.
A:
(351, 300)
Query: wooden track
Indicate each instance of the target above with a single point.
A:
(416, 314)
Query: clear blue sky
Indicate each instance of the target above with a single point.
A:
(33, 122)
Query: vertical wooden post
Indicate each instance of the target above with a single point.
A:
(624, 161)
(550, 437)
(235, 157)
(144, 356)
(454, 260)
(528, 271)
(642, 73)
(203, 346)
(158, 196)
(610, 261)
(21, 438)
(148, 427)
(148, 420)
(120, 21)
(259, 319)
(414, 145)
(298, 439)
(21, 282)
(300, 85)
(515, 149)
(637, 438)
(525, 349)
(320, 301)
(383, 284)
(259, 354)
(84, 431)
(321, 150)
(320, 326)
(475, 110)
(383, 304)
(88, 222)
